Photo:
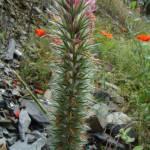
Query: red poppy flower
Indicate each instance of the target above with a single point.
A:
(40, 32)
(106, 34)
(57, 41)
(143, 37)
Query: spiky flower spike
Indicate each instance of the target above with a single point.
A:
(72, 29)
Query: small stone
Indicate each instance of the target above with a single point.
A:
(11, 50)
(18, 54)
(118, 118)
(115, 97)
(102, 110)
(2, 66)
(24, 122)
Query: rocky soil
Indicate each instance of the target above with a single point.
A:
(18, 17)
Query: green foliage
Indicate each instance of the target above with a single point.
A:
(133, 5)
(72, 28)
(115, 9)
(36, 72)
(138, 148)
(35, 68)
(129, 59)
(124, 136)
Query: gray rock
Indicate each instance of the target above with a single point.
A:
(109, 95)
(37, 145)
(109, 92)
(11, 50)
(102, 110)
(11, 140)
(2, 66)
(115, 97)
(6, 133)
(24, 122)
(35, 113)
(113, 107)
(105, 117)
(118, 118)
(18, 54)
(31, 138)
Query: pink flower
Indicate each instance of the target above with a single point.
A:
(76, 2)
(91, 4)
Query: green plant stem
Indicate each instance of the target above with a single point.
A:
(30, 92)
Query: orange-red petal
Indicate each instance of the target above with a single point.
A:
(17, 113)
(143, 37)
(40, 32)
(106, 34)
